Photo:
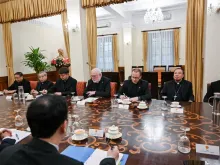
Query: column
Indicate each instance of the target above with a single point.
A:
(78, 40)
(127, 34)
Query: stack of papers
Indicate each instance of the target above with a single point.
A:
(98, 155)
(90, 156)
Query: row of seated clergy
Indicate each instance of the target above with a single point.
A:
(136, 88)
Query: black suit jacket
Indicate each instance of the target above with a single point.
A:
(140, 89)
(45, 85)
(103, 88)
(65, 87)
(215, 87)
(39, 152)
(185, 91)
(6, 143)
(25, 83)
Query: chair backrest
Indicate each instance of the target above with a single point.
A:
(166, 76)
(33, 84)
(80, 87)
(114, 87)
(171, 68)
(158, 68)
(152, 78)
(208, 86)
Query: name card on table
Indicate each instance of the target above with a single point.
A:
(176, 110)
(81, 103)
(8, 98)
(207, 149)
(121, 106)
(96, 132)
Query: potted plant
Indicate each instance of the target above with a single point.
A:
(34, 59)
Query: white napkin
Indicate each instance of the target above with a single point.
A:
(81, 103)
(121, 106)
(8, 98)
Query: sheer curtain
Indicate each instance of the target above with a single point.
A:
(105, 54)
(160, 48)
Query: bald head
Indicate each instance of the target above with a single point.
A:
(96, 75)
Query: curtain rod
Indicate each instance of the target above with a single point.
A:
(161, 29)
(107, 34)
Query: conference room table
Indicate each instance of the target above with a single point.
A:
(149, 136)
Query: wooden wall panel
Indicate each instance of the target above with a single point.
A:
(3, 83)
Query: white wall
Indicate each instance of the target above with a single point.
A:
(25, 35)
(211, 55)
(3, 71)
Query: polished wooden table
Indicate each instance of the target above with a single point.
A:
(149, 136)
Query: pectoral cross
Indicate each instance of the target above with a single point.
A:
(175, 97)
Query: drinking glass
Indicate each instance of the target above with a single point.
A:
(164, 104)
(18, 119)
(15, 98)
(184, 142)
(76, 125)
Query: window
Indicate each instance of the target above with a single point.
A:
(105, 54)
(160, 48)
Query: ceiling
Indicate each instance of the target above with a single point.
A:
(123, 11)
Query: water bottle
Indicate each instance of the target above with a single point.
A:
(21, 95)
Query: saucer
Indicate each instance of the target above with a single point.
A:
(142, 107)
(126, 103)
(77, 99)
(83, 137)
(175, 106)
(117, 136)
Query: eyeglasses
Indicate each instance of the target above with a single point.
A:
(136, 78)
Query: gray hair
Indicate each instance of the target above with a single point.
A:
(42, 72)
(97, 70)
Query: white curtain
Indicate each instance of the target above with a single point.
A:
(105, 54)
(160, 48)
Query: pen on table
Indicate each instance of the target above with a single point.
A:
(17, 136)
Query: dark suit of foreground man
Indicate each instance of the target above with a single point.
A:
(19, 81)
(136, 88)
(214, 88)
(43, 84)
(98, 85)
(47, 118)
(178, 89)
(66, 85)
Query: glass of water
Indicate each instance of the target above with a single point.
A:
(184, 142)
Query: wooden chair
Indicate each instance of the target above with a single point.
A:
(121, 71)
(114, 88)
(159, 69)
(171, 68)
(152, 78)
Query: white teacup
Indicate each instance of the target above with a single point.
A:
(29, 97)
(142, 104)
(175, 103)
(113, 130)
(79, 133)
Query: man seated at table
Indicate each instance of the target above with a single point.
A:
(19, 81)
(135, 88)
(43, 84)
(66, 85)
(98, 85)
(214, 88)
(47, 118)
(178, 89)
(6, 139)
